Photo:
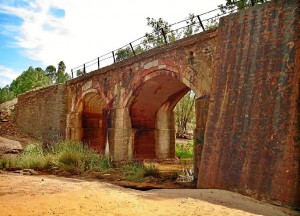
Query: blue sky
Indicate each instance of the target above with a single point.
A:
(39, 33)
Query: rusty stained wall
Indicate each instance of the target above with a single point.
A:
(252, 134)
(42, 113)
(189, 61)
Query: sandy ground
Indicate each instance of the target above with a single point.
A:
(51, 195)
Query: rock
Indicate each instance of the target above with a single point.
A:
(9, 146)
(29, 172)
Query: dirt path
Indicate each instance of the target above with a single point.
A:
(51, 195)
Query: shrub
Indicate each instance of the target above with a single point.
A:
(185, 150)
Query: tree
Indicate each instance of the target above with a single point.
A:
(122, 54)
(79, 73)
(33, 78)
(239, 5)
(61, 76)
(6, 94)
(185, 113)
(29, 79)
(155, 37)
(51, 73)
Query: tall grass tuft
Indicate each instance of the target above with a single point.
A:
(137, 171)
(70, 156)
(78, 158)
(7, 162)
(33, 157)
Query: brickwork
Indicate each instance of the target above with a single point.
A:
(42, 113)
(140, 94)
(252, 134)
(245, 76)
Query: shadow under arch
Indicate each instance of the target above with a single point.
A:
(150, 105)
(92, 121)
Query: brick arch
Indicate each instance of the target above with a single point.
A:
(150, 105)
(88, 119)
(136, 84)
(94, 121)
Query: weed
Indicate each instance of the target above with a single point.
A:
(151, 170)
(136, 171)
(7, 162)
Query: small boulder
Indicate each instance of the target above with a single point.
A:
(8, 146)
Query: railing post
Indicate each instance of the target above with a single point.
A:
(113, 53)
(72, 73)
(84, 69)
(98, 62)
(201, 24)
(164, 35)
(132, 49)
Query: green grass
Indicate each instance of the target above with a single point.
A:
(185, 151)
(70, 156)
(74, 158)
(137, 171)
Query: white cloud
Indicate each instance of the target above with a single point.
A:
(7, 75)
(91, 28)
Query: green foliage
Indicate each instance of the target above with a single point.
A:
(29, 79)
(155, 37)
(34, 157)
(7, 162)
(33, 78)
(133, 171)
(137, 171)
(61, 75)
(68, 156)
(151, 170)
(78, 158)
(122, 54)
(239, 5)
(6, 94)
(79, 73)
(185, 151)
(185, 113)
(51, 73)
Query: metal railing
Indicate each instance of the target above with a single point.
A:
(160, 37)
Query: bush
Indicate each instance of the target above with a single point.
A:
(185, 150)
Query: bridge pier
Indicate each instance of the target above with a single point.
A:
(119, 134)
(165, 134)
(201, 109)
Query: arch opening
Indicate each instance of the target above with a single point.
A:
(94, 122)
(152, 117)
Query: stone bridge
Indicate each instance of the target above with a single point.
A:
(245, 76)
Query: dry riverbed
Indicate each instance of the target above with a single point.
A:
(52, 195)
